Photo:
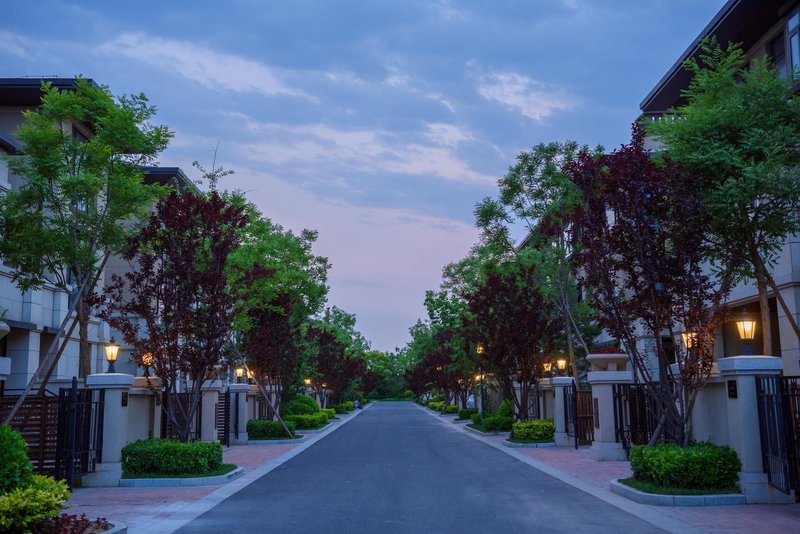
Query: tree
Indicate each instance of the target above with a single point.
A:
(537, 193)
(175, 306)
(639, 239)
(81, 197)
(739, 131)
(510, 318)
(333, 368)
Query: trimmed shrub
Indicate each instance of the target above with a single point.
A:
(436, 406)
(450, 408)
(466, 413)
(170, 457)
(339, 408)
(537, 430)
(264, 429)
(330, 411)
(698, 466)
(476, 418)
(349, 405)
(308, 420)
(408, 394)
(498, 423)
(15, 467)
(299, 406)
(506, 408)
(39, 499)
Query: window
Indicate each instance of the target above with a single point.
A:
(777, 54)
(793, 27)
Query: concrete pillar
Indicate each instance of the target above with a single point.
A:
(147, 392)
(116, 414)
(560, 384)
(239, 414)
(23, 350)
(744, 434)
(607, 370)
(208, 426)
(790, 349)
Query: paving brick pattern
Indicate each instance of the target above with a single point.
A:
(140, 508)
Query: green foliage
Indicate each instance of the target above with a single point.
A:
(309, 420)
(265, 429)
(467, 413)
(496, 423)
(300, 405)
(536, 430)
(700, 465)
(408, 394)
(437, 406)
(15, 467)
(506, 408)
(339, 409)
(450, 408)
(169, 457)
(39, 499)
(349, 405)
(476, 418)
(330, 412)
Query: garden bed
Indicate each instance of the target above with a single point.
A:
(481, 430)
(529, 444)
(231, 472)
(698, 497)
(298, 438)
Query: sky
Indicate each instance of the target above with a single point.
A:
(378, 123)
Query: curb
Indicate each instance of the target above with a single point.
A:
(301, 439)
(654, 499)
(313, 430)
(176, 482)
(462, 421)
(118, 528)
(546, 445)
(478, 432)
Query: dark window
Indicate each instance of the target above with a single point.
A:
(793, 29)
(777, 54)
(669, 348)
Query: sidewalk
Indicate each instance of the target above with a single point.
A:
(761, 518)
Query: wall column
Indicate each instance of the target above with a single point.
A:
(115, 426)
(239, 414)
(607, 370)
(560, 384)
(208, 427)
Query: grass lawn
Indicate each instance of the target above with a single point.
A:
(481, 428)
(221, 470)
(517, 440)
(651, 487)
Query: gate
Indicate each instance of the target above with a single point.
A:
(579, 414)
(778, 401)
(223, 417)
(79, 442)
(180, 404)
(634, 414)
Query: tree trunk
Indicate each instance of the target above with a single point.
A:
(789, 313)
(571, 350)
(83, 334)
(761, 284)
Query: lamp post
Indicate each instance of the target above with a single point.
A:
(561, 363)
(479, 351)
(112, 349)
(147, 361)
(747, 333)
(239, 374)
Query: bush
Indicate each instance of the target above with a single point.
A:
(301, 405)
(39, 499)
(538, 430)
(264, 429)
(698, 466)
(506, 408)
(408, 394)
(170, 457)
(339, 408)
(330, 411)
(436, 406)
(308, 420)
(349, 405)
(15, 467)
(466, 413)
(476, 418)
(450, 409)
(71, 524)
(498, 423)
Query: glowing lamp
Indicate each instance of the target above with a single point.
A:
(307, 381)
(239, 373)
(689, 339)
(548, 366)
(112, 349)
(747, 329)
(561, 363)
(479, 348)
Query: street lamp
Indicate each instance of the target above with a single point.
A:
(479, 348)
(147, 361)
(239, 374)
(561, 363)
(307, 381)
(689, 339)
(747, 333)
(112, 349)
(548, 367)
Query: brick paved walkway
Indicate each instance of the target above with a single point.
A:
(141, 507)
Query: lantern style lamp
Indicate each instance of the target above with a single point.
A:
(747, 333)
(147, 362)
(548, 367)
(479, 348)
(239, 373)
(112, 349)
(561, 363)
(307, 381)
(689, 339)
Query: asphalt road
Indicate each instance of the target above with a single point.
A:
(397, 469)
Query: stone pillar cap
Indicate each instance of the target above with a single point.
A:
(750, 365)
(610, 377)
(562, 381)
(615, 361)
(239, 388)
(110, 381)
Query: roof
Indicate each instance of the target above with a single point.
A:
(739, 21)
(9, 145)
(173, 176)
(28, 91)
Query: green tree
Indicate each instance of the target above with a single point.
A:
(738, 132)
(82, 197)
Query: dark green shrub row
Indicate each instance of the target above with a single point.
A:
(498, 423)
(466, 413)
(506, 408)
(476, 418)
(450, 408)
(701, 465)
(170, 457)
(15, 467)
(301, 405)
(349, 405)
(338, 408)
(313, 420)
(536, 430)
(330, 411)
(265, 429)
(437, 406)
(408, 394)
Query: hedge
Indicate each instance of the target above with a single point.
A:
(301, 405)
(330, 411)
(170, 457)
(349, 405)
(506, 408)
(15, 467)
(437, 406)
(308, 420)
(450, 409)
(498, 422)
(265, 429)
(537, 430)
(698, 466)
(338, 408)
(408, 394)
(466, 413)
(38, 499)
(476, 418)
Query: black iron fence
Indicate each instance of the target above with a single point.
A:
(635, 414)
(79, 441)
(180, 404)
(579, 414)
(779, 420)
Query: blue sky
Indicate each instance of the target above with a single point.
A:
(378, 123)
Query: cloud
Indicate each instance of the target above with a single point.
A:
(14, 44)
(208, 67)
(312, 146)
(525, 95)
